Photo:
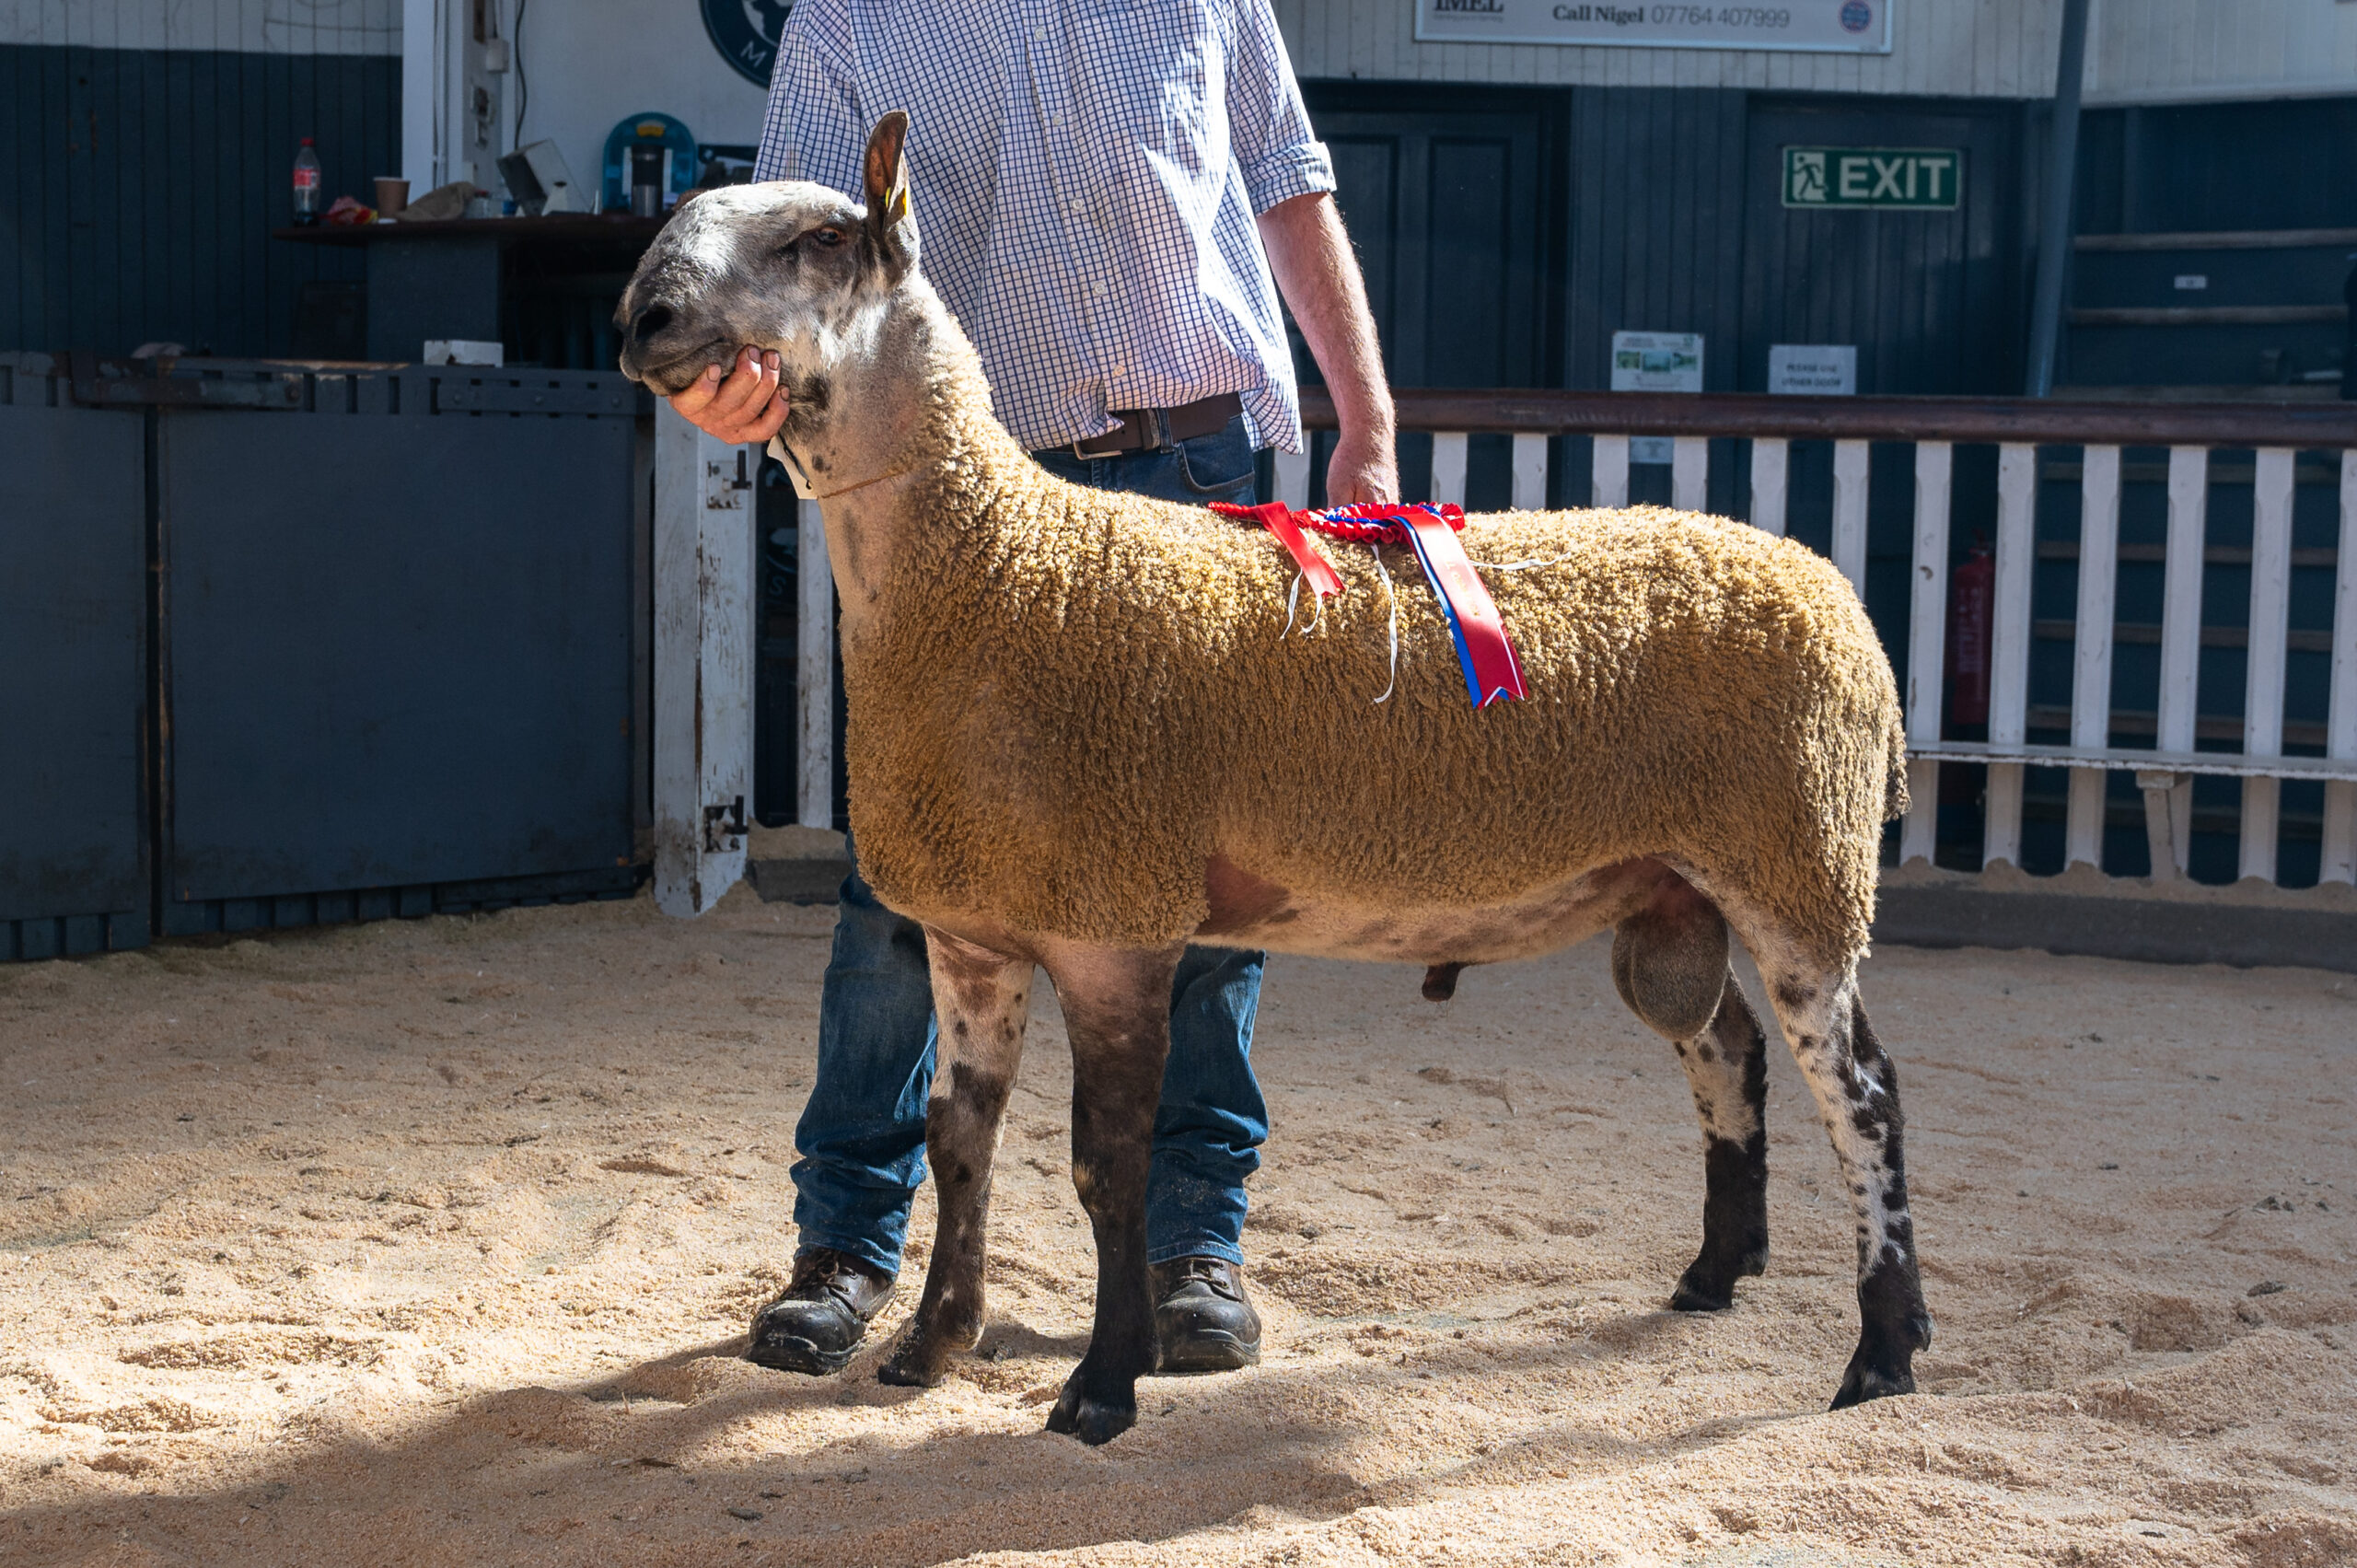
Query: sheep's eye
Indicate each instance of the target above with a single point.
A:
(827, 237)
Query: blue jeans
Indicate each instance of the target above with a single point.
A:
(862, 1134)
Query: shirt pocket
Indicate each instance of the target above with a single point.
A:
(1153, 77)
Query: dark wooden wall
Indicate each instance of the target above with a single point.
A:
(1508, 234)
(1655, 193)
(2182, 167)
(138, 188)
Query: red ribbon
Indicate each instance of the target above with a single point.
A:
(1283, 522)
(1492, 670)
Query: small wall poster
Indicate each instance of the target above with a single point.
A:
(1813, 369)
(1656, 362)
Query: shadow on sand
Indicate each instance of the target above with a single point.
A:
(700, 1458)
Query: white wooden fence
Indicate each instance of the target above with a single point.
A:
(1935, 426)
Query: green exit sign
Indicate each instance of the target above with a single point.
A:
(1917, 179)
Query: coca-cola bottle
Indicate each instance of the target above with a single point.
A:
(307, 184)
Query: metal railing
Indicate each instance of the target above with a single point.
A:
(1935, 426)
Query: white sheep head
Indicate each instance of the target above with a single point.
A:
(786, 265)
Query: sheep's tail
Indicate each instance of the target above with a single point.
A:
(1893, 788)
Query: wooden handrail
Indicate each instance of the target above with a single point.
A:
(2206, 315)
(2220, 240)
(1532, 410)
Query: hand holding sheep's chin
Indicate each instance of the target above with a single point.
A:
(1364, 471)
(749, 407)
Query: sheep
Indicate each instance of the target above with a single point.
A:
(1084, 731)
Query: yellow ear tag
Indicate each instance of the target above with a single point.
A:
(896, 204)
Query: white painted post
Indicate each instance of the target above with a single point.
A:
(1927, 645)
(704, 576)
(2340, 863)
(2162, 839)
(2270, 604)
(1610, 471)
(2180, 653)
(1448, 468)
(2091, 663)
(1530, 473)
(425, 58)
(1689, 473)
(1293, 476)
(814, 676)
(1769, 461)
(1849, 511)
(2009, 632)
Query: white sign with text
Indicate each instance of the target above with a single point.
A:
(1847, 27)
(1820, 370)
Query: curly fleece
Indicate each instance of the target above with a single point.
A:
(1068, 701)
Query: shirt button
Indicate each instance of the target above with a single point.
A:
(1038, 35)
(1098, 288)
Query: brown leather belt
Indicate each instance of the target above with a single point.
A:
(1153, 429)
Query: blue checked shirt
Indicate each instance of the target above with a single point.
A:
(1085, 175)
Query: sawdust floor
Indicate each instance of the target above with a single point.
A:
(432, 1243)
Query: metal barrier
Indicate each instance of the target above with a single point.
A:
(287, 643)
(2018, 428)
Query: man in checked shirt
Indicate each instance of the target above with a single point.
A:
(1104, 189)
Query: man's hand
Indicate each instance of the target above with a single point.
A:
(1364, 469)
(745, 409)
(1318, 275)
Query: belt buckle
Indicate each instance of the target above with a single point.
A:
(1159, 419)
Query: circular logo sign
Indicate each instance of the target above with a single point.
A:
(1856, 15)
(745, 32)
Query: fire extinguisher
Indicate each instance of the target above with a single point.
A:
(1972, 605)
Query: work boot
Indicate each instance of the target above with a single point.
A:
(1202, 1321)
(823, 1315)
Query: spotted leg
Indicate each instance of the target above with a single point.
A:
(981, 1001)
(1116, 1010)
(1669, 962)
(1856, 1090)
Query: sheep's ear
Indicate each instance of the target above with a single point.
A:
(891, 228)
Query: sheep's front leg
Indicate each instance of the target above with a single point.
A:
(981, 1001)
(1117, 1009)
(1856, 1089)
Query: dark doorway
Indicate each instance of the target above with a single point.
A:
(1450, 213)
(1456, 217)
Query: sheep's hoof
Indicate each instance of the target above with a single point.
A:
(1708, 1285)
(1876, 1372)
(918, 1361)
(1694, 1294)
(1093, 1421)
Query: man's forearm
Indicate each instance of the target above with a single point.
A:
(1318, 275)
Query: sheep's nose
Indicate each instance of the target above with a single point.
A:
(651, 322)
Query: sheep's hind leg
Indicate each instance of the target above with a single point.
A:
(981, 1002)
(1856, 1090)
(1669, 962)
(1117, 1009)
